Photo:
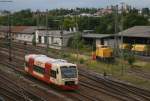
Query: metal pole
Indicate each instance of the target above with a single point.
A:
(9, 36)
(122, 37)
(116, 30)
(77, 39)
(47, 37)
(37, 20)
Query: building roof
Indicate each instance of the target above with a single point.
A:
(96, 36)
(19, 29)
(137, 31)
(56, 33)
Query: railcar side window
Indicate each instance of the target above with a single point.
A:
(39, 69)
(53, 73)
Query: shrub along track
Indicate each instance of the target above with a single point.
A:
(97, 88)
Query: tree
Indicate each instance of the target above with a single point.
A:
(76, 41)
(132, 19)
(106, 25)
(68, 23)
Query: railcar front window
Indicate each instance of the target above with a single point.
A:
(69, 72)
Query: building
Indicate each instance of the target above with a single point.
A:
(103, 39)
(56, 38)
(19, 33)
(133, 35)
(136, 34)
(103, 11)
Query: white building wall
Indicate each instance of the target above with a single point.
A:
(42, 39)
(50, 40)
(36, 36)
(111, 42)
(98, 42)
(23, 37)
(57, 41)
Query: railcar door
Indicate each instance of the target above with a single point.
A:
(47, 71)
(31, 63)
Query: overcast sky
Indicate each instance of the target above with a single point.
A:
(51, 4)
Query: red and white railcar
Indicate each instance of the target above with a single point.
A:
(52, 71)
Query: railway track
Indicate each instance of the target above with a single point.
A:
(100, 85)
(139, 72)
(15, 92)
(138, 94)
(78, 96)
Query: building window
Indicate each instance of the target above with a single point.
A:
(38, 69)
(45, 39)
(53, 73)
(40, 39)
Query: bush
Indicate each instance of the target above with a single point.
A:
(129, 57)
(64, 55)
(76, 41)
(131, 60)
(81, 60)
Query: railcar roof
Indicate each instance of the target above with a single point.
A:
(44, 59)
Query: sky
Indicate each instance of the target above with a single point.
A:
(52, 4)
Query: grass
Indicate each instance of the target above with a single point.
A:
(115, 70)
(136, 80)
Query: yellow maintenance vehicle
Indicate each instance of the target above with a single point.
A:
(104, 53)
(141, 49)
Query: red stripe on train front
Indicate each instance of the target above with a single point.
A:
(73, 87)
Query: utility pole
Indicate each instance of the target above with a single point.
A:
(37, 18)
(9, 37)
(77, 32)
(62, 35)
(116, 30)
(121, 29)
(47, 35)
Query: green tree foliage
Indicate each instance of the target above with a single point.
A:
(89, 23)
(133, 19)
(23, 17)
(56, 19)
(76, 41)
(106, 25)
(69, 23)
